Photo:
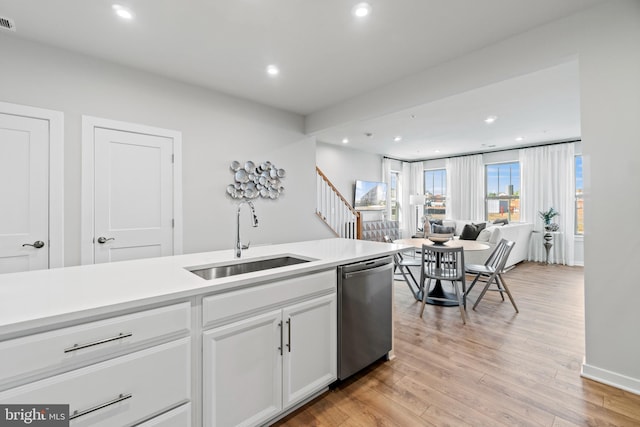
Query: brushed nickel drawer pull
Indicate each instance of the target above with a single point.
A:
(77, 414)
(289, 328)
(91, 344)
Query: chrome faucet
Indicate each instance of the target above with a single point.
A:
(254, 223)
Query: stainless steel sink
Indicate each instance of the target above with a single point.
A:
(218, 271)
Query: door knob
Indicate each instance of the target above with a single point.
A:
(37, 244)
(104, 239)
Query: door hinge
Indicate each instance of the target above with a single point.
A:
(173, 223)
(173, 158)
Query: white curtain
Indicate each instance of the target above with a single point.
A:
(465, 187)
(416, 186)
(386, 177)
(404, 189)
(548, 175)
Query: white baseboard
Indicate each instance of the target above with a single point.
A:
(623, 382)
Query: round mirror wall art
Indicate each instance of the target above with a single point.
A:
(251, 180)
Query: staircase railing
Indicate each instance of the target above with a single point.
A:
(335, 210)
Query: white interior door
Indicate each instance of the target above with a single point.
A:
(133, 195)
(24, 193)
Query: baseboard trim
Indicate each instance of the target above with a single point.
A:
(623, 382)
(297, 406)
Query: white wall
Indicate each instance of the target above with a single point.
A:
(605, 40)
(216, 129)
(343, 166)
(610, 88)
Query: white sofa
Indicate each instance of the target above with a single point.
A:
(519, 232)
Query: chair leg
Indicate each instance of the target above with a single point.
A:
(460, 303)
(473, 283)
(484, 290)
(406, 279)
(412, 276)
(504, 284)
(500, 287)
(416, 294)
(464, 293)
(424, 297)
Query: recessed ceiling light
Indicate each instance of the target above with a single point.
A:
(361, 10)
(122, 12)
(345, 140)
(437, 151)
(397, 139)
(490, 119)
(520, 138)
(273, 70)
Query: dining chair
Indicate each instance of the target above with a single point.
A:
(402, 263)
(439, 262)
(491, 272)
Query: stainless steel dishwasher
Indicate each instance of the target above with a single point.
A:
(364, 314)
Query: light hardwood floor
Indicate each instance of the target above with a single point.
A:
(500, 369)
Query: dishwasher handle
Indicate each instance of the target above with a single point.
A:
(368, 271)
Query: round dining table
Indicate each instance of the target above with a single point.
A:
(438, 291)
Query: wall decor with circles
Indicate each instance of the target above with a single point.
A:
(253, 180)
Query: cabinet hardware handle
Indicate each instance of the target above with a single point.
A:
(120, 398)
(289, 330)
(37, 244)
(120, 336)
(280, 348)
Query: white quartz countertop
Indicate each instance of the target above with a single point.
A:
(39, 298)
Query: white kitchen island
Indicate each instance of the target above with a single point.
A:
(150, 342)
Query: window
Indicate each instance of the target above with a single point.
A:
(393, 196)
(579, 197)
(435, 191)
(503, 191)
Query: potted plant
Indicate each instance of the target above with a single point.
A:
(547, 216)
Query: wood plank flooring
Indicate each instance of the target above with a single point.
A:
(500, 369)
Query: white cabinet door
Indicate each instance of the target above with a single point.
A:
(24, 193)
(310, 351)
(133, 195)
(242, 368)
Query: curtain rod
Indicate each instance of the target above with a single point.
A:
(487, 152)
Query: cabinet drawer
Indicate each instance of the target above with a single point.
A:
(179, 417)
(127, 389)
(236, 304)
(70, 347)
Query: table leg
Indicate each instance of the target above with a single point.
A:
(439, 292)
(548, 243)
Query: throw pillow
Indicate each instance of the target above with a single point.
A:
(485, 234)
(504, 221)
(441, 229)
(471, 231)
(433, 222)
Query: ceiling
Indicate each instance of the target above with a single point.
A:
(532, 109)
(324, 53)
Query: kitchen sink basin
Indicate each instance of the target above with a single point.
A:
(218, 271)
